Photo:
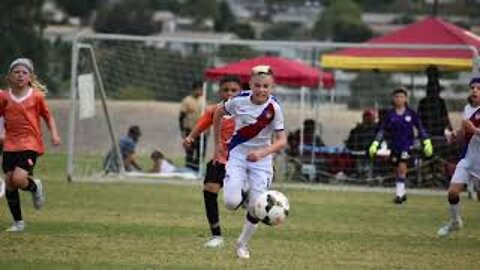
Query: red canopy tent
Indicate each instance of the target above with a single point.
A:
(286, 72)
(431, 30)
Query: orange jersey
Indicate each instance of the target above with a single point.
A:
(226, 131)
(22, 120)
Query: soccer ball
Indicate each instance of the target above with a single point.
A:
(272, 207)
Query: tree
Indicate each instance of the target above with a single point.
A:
(199, 9)
(281, 31)
(341, 21)
(243, 30)
(82, 9)
(132, 17)
(224, 19)
(21, 26)
(173, 6)
(375, 5)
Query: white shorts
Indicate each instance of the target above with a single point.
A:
(464, 173)
(240, 173)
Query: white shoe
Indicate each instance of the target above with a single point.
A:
(242, 251)
(452, 225)
(2, 188)
(38, 197)
(17, 226)
(215, 242)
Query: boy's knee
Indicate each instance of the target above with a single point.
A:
(232, 202)
(453, 197)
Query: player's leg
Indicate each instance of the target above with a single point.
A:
(400, 179)
(234, 181)
(23, 177)
(399, 162)
(457, 185)
(260, 176)
(212, 184)
(11, 193)
(13, 201)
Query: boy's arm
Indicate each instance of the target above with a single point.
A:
(422, 133)
(372, 149)
(279, 142)
(217, 116)
(205, 122)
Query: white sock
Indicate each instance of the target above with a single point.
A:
(247, 232)
(400, 189)
(455, 211)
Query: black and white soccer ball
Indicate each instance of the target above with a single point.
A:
(272, 207)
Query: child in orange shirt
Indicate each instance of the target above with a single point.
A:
(229, 87)
(22, 105)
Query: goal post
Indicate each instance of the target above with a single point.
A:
(74, 108)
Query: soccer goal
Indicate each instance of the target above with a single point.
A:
(119, 81)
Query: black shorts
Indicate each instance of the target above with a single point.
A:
(215, 173)
(23, 159)
(397, 157)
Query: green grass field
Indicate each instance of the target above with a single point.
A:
(159, 226)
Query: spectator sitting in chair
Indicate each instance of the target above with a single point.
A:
(359, 140)
(309, 138)
(363, 133)
(127, 145)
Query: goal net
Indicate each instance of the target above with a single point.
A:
(122, 81)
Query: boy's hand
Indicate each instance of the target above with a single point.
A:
(372, 150)
(427, 147)
(468, 126)
(187, 142)
(255, 155)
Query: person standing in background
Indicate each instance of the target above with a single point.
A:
(190, 112)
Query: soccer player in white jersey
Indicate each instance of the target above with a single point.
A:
(257, 116)
(468, 169)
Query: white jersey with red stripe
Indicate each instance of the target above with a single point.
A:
(468, 167)
(254, 124)
(473, 141)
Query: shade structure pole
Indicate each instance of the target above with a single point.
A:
(317, 124)
(475, 61)
(412, 87)
(302, 117)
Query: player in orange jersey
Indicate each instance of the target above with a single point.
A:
(22, 105)
(229, 87)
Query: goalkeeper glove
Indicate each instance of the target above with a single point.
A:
(427, 147)
(372, 150)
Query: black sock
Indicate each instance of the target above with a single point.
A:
(13, 200)
(252, 219)
(32, 187)
(453, 199)
(211, 208)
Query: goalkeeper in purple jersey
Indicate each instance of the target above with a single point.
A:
(399, 122)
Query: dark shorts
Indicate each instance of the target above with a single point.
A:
(23, 159)
(397, 157)
(215, 173)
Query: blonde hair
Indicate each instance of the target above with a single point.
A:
(36, 84)
(261, 70)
